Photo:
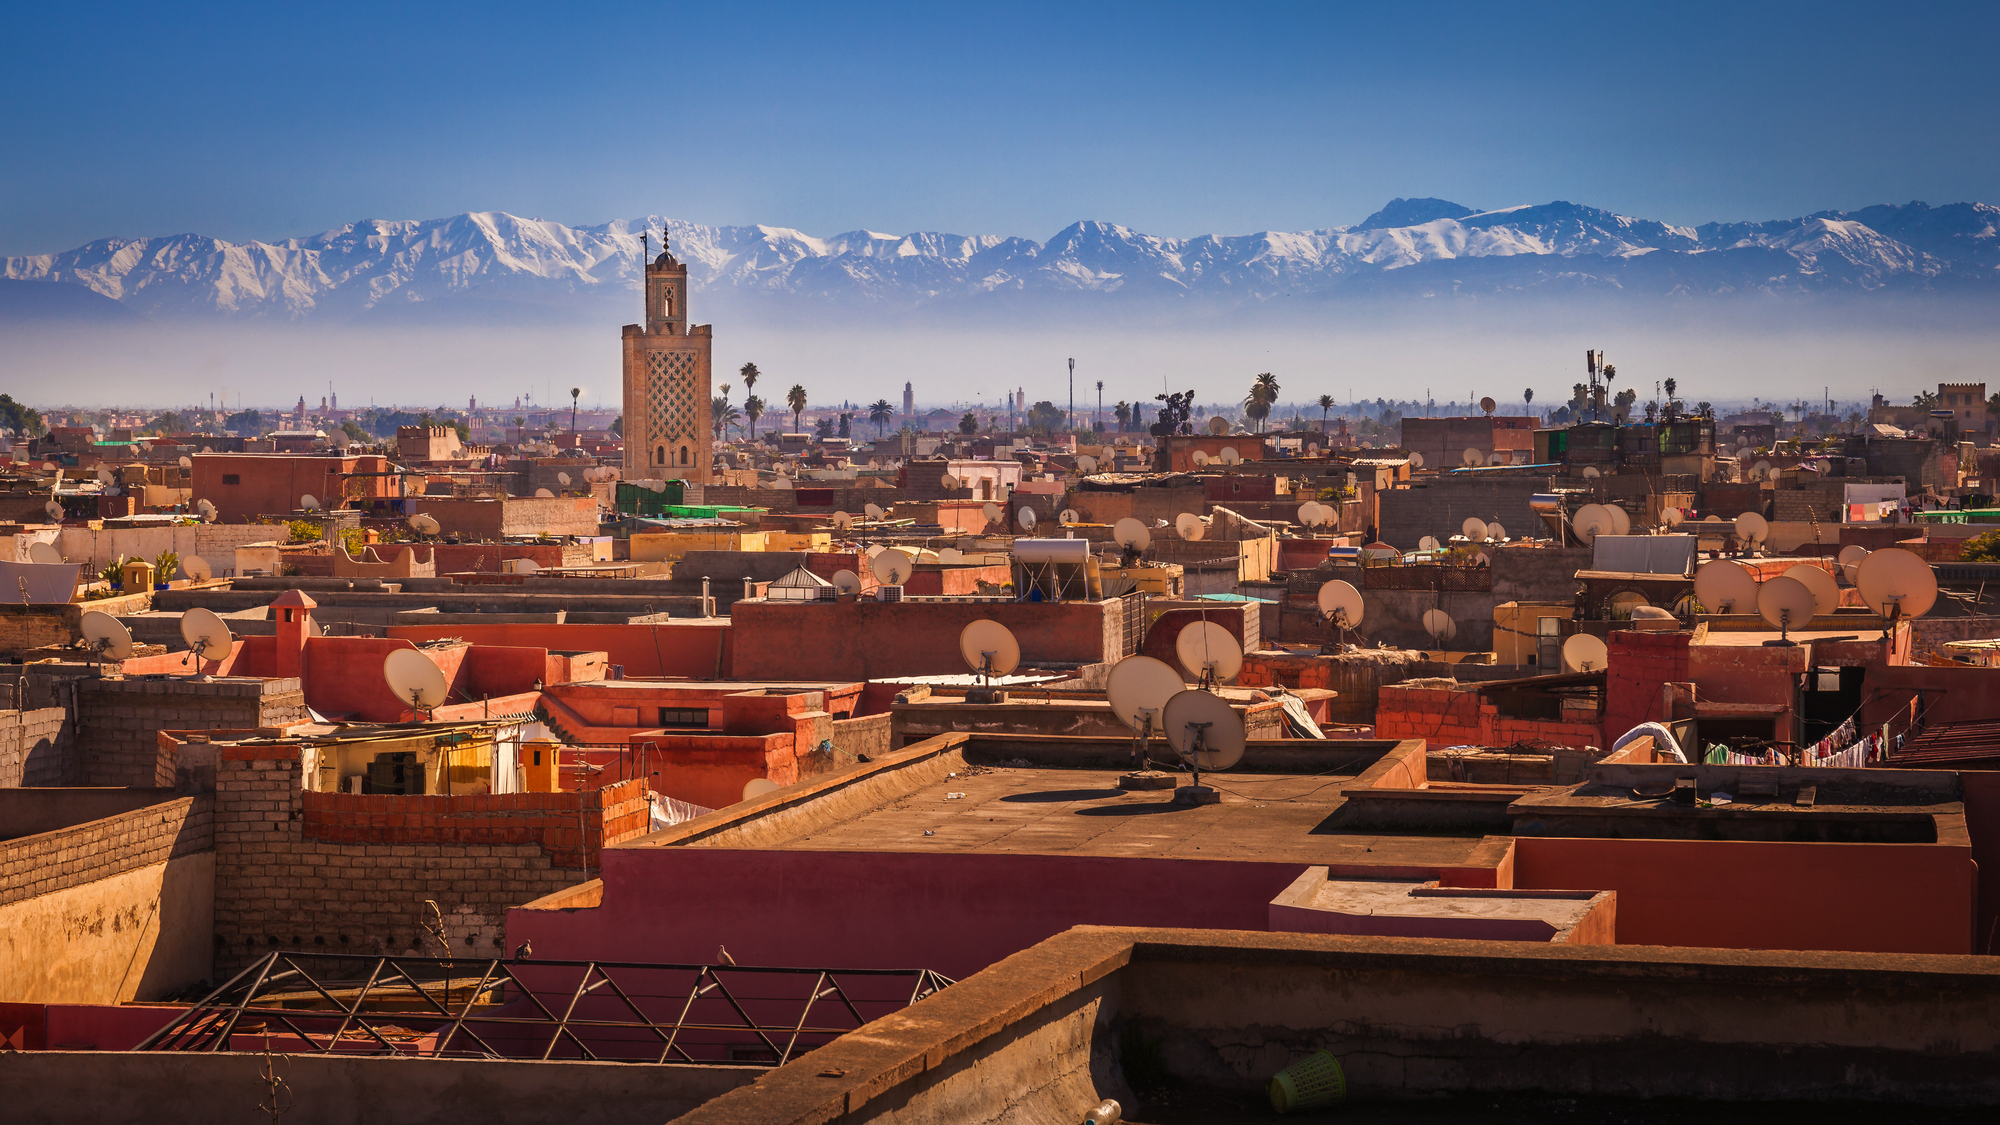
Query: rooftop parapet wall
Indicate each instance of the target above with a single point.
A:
(36, 747)
(97, 849)
(119, 720)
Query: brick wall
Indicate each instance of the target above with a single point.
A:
(70, 857)
(36, 747)
(350, 873)
(118, 722)
(1444, 716)
(1638, 664)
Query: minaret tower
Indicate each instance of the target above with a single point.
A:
(667, 382)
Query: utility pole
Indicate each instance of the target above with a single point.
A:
(1072, 392)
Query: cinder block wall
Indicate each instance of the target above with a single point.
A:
(36, 747)
(118, 722)
(337, 873)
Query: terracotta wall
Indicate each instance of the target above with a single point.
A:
(1639, 663)
(700, 649)
(868, 640)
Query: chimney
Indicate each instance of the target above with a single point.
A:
(292, 614)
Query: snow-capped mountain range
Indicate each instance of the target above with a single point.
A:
(1412, 247)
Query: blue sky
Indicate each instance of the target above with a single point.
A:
(269, 121)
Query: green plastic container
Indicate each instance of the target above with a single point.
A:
(1310, 1083)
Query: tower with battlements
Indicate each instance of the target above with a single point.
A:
(667, 382)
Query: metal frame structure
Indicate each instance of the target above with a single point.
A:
(604, 1011)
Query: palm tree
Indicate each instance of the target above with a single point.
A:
(1097, 419)
(881, 413)
(1325, 404)
(750, 376)
(1263, 395)
(722, 414)
(1528, 396)
(796, 399)
(753, 409)
(1123, 412)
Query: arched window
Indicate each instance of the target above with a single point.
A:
(684, 454)
(660, 455)
(667, 304)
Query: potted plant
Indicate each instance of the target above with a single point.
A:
(164, 567)
(114, 575)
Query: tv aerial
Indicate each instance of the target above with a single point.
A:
(424, 524)
(1896, 583)
(1784, 603)
(1026, 518)
(1189, 526)
(339, 440)
(1138, 689)
(416, 681)
(846, 582)
(45, 554)
(208, 639)
(1440, 626)
(1209, 651)
(1207, 734)
(990, 650)
(104, 635)
(1340, 603)
(1725, 586)
(1584, 653)
(1825, 591)
(892, 567)
(197, 568)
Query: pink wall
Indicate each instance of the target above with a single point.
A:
(694, 649)
(867, 639)
(1982, 823)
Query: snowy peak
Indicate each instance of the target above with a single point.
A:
(485, 258)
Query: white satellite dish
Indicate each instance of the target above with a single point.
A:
(1189, 526)
(1086, 464)
(1496, 533)
(1229, 456)
(1138, 689)
(951, 555)
(1896, 583)
(1751, 528)
(1209, 651)
(993, 513)
(1341, 603)
(873, 511)
(1204, 730)
(1825, 591)
(1026, 518)
(1760, 470)
(44, 554)
(1068, 516)
(206, 635)
(1852, 554)
(1591, 521)
(197, 568)
(1673, 517)
(1584, 653)
(339, 440)
(1487, 404)
(1473, 528)
(1785, 604)
(842, 521)
(187, 463)
(1474, 457)
(892, 567)
(54, 510)
(414, 679)
(563, 479)
(424, 524)
(104, 635)
(1308, 513)
(1440, 626)
(948, 481)
(1199, 457)
(846, 582)
(1428, 543)
(104, 476)
(309, 503)
(1416, 458)
(1725, 586)
(1132, 534)
(544, 494)
(1590, 472)
(989, 648)
(758, 786)
(1621, 520)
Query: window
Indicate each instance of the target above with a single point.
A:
(684, 454)
(696, 718)
(660, 455)
(232, 478)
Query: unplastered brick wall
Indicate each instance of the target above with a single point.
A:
(118, 721)
(351, 873)
(1443, 716)
(1639, 662)
(70, 857)
(35, 747)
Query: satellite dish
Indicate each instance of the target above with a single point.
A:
(1131, 533)
(1428, 543)
(1760, 470)
(339, 440)
(874, 511)
(842, 521)
(1896, 583)
(1209, 651)
(951, 555)
(48, 465)
(187, 463)
(1440, 626)
(1751, 528)
(989, 648)
(1309, 513)
(310, 503)
(1026, 518)
(1138, 689)
(1487, 405)
(54, 510)
(208, 449)
(204, 506)
(1496, 533)
(1086, 464)
(1584, 653)
(1825, 591)
(948, 481)
(104, 634)
(1785, 603)
(206, 635)
(544, 494)
(104, 476)
(1474, 457)
(562, 479)
(1229, 456)
(44, 553)
(525, 566)
(1200, 458)
(1591, 521)
(1621, 520)
(846, 581)
(1852, 554)
(757, 787)
(414, 679)
(892, 567)
(1590, 472)
(1416, 458)
(1204, 730)
(1473, 528)
(424, 524)
(197, 568)
(993, 513)
(1341, 603)
(1672, 516)
(1068, 516)
(1725, 586)
(1190, 526)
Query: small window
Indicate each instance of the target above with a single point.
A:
(232, 478)
(696, 718)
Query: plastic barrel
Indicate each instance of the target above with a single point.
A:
(1311, 1082)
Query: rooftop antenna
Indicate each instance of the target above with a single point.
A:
(104, 635)
(1208, 734)
(1440, 626)
(208, 639)
(1209, 651)
(1138, 689)
(1340, 603)
(990, 649)
(1189, 526)
(416, 681)
(197, 568)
